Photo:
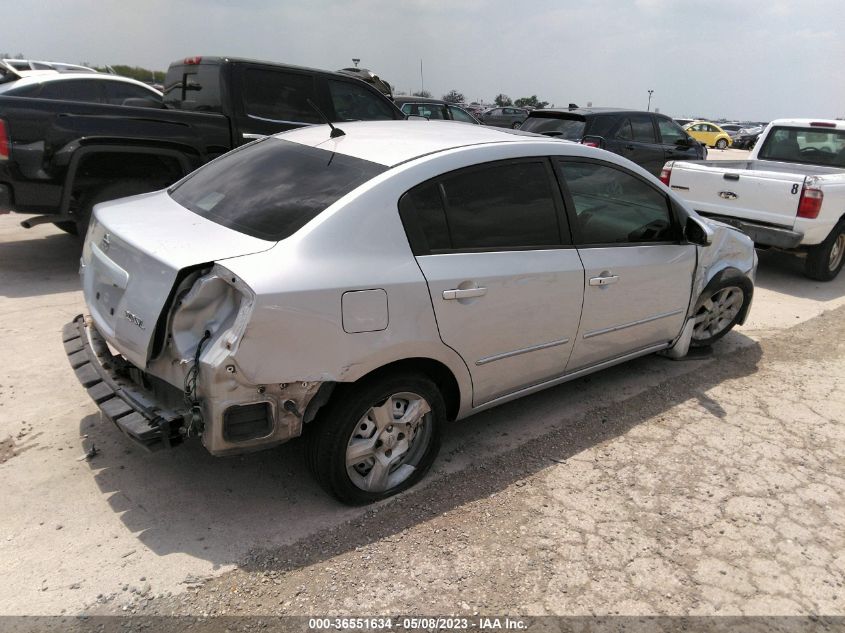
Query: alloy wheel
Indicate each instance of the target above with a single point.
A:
(837, 251)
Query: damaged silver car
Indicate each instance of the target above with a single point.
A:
(366, 286)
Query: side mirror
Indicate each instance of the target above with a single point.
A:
(685, 141)
(697, 232)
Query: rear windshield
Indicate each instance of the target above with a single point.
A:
(272, 188)
(571, 129)
(193, 87)
(818, 146)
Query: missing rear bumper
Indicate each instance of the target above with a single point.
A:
(130, 407)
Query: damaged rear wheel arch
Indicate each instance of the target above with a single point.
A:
(434, 370)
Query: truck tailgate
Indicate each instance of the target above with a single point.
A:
(738, 189)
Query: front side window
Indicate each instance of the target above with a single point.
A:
(272, 188)
(614, 207)
(353, 101)
(496, 207)
(272, 95)
(670, 131)
(117, 92)
(460, 115)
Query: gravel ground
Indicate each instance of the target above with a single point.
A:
(719, 493)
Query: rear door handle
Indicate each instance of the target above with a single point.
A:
(463, 293)
(604, 281)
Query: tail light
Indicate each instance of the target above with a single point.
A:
(192, 61)
(590, 143)
(4, 141)
(811, 201)
(666, 173)
(822, 124)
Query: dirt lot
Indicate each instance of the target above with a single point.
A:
(709, 486)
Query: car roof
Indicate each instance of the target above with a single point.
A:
(390, 143)
(57, 77)
(406, 99)
(586, 111)
(839, 125)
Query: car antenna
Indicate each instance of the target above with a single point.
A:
(336, 131)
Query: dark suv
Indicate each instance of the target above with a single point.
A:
(646, 138)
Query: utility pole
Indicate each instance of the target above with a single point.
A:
(648, 107)
(422, 83)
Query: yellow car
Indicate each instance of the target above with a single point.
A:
(708, 133)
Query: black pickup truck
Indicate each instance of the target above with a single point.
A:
(59, 158)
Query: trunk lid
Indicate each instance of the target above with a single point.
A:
(754, 190)
(133, 254)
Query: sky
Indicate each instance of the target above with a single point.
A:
(733, 59)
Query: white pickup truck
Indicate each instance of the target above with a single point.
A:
(789, 193)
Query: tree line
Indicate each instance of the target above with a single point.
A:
(501, 100)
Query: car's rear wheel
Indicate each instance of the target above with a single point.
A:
(377, 439)
(717, 312)
(516, 125)
(721, 144)
(825, 260)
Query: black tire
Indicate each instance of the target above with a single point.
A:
(68, 227)
(721, 144)
(516, 125)
(348, 412)
(825, 260)
(711, 324)
(112, 191)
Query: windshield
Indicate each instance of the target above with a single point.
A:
(818, 146)
(569, 129)
(272, 188)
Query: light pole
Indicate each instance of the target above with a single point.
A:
(648, 107)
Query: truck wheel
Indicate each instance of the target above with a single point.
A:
(717, 312)
(721, 144)
(825, 260)
(111, 191)
(376, 439)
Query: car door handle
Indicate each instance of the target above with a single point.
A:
(604, 281)
(463, 293)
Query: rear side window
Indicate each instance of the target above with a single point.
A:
(193, 87)
(279, 96)
(495, 207)
(354, 101)
(643, 129)
(272, 188)
(571, 129)
(31, 90)
(615, 207)
(86, 90)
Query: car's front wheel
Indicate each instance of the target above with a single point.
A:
(721, 144)
(378, 438)
(717, 312)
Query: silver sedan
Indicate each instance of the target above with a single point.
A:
(373, 283)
